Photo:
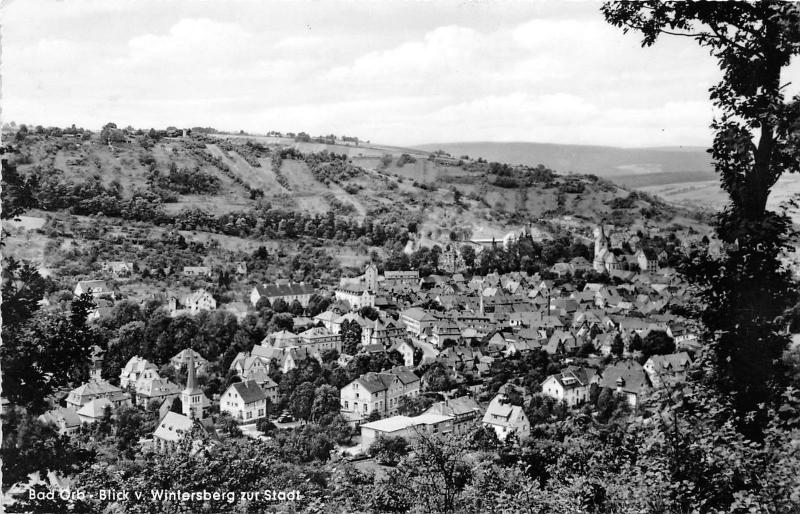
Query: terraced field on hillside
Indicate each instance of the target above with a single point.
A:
(258, 178)
(313, 195)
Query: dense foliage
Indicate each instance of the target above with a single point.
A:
(746, 291)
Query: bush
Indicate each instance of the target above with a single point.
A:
(405, 159)
(373, 416)
(657, 342)
(389, 450)
(506, 182)
(265, 426)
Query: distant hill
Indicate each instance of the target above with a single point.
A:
(603, 161)
(222, 181)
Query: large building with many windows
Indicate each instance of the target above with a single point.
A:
(286, 291)
(416, 320)
(378, 392)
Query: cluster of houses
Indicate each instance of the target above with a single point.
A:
(466, 324)
(629, 379)
(180, 408)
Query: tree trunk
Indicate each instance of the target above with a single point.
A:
(762, 177)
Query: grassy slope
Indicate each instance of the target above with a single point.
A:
(262, 178)
(486, 209)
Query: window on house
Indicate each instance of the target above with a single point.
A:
(365, 407)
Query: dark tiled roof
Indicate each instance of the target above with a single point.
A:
(291, 289)
(374, 382)
(630, 372)
(405, 375)
(249, 391)
(400, 274)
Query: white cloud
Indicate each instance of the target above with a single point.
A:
(399, 79)
(192, 41)
(441, 51)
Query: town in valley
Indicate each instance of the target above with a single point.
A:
(240, 275)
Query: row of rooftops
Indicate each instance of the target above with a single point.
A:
(285, 288)
(377, 382)
(627, 375)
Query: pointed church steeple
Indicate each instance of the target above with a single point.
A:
(191, 380)
(191, 397)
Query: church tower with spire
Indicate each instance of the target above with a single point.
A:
(193, 400)
(371, 277)
(601, 249)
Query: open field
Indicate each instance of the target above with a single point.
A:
(119, 164)
(25, 222)
(657, 179)
(427, 172)
(308, 193)
(25, 245)
(311, 195)
(261, 178)
(709, 194)
(351, 257)
(220, 205)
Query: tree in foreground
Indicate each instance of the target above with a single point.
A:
(657, 342)
(435, 474)
(34, 352)
(31, 446)
(747, 291)
(389, 450)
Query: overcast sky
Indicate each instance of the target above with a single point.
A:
(393, 72)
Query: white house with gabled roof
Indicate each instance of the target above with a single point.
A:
(97, 288)
(244, 401)
(135, 369)
(506, 418)
(571, 386)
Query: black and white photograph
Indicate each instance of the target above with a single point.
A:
(400, 256)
